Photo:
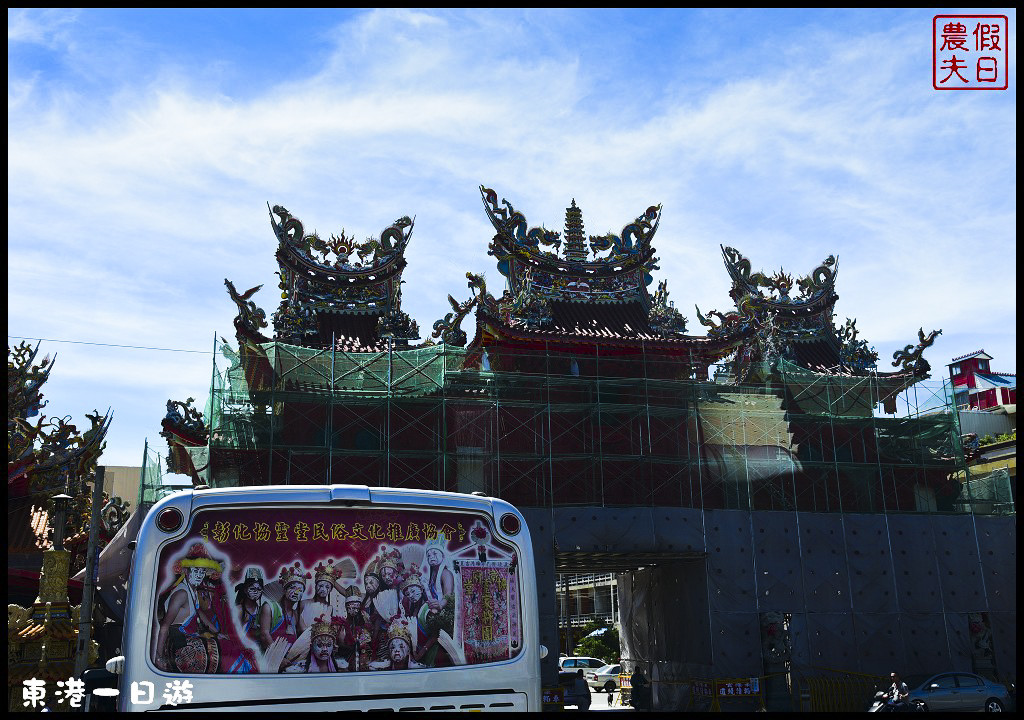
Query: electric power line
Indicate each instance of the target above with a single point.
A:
(130, 347)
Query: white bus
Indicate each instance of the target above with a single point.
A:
(309, 598)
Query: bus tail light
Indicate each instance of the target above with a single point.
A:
(169, 520)
(510, 524)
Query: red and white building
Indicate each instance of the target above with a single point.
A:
(977, 387)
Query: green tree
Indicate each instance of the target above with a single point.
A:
(604, 645)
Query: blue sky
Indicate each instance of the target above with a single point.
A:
(143, 147)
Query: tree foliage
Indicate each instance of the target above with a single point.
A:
(604, 646)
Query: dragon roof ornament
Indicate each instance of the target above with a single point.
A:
(634, 239)
(448, 329)
(773, 312)
(511, 224)
(626, 249)
(183, 420)
(335, 253)
(910, 358)
(339, 276)
(538, 275)
(815, 287)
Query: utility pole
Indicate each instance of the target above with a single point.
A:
(85, 617)
(568, 617)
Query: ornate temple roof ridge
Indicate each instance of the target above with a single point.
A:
(817, 285)
(595, 291)
(618, 325)
(327, 295)
(626, 250)
(569, 292)
(316, 254)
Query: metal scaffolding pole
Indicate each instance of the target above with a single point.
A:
(85, 616)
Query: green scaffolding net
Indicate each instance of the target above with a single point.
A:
(612, 428)
(151, 482)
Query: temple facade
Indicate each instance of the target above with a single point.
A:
(768, 507)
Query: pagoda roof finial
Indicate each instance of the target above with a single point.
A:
(575, 250)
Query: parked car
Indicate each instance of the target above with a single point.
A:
(959, 691)
(606, 678)
(575, 663)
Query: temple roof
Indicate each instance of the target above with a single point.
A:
(627, 319)
(327, 294)
(620, 276)
(623, 325)
(788, 319)
(597, 285)
(563, 287)
(590, 298)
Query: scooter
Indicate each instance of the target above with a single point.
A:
(879, 702)
(883, 704)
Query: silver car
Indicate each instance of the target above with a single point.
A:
(958, 691)
(605, 678)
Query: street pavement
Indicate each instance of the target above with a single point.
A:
(599, 701)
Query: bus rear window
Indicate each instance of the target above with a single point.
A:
(326, 590)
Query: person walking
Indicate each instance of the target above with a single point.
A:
(581, 690)
(640, 693)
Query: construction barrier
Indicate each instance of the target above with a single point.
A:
(828, 691)
(709, 693)
(737, 689)
(702, 693)
(838, 690)
(625, 691)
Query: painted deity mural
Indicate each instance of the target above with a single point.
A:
(285, 590)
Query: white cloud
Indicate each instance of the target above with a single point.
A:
(128, 210)
(40, 27)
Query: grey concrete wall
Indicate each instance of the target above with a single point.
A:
(867, 592)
